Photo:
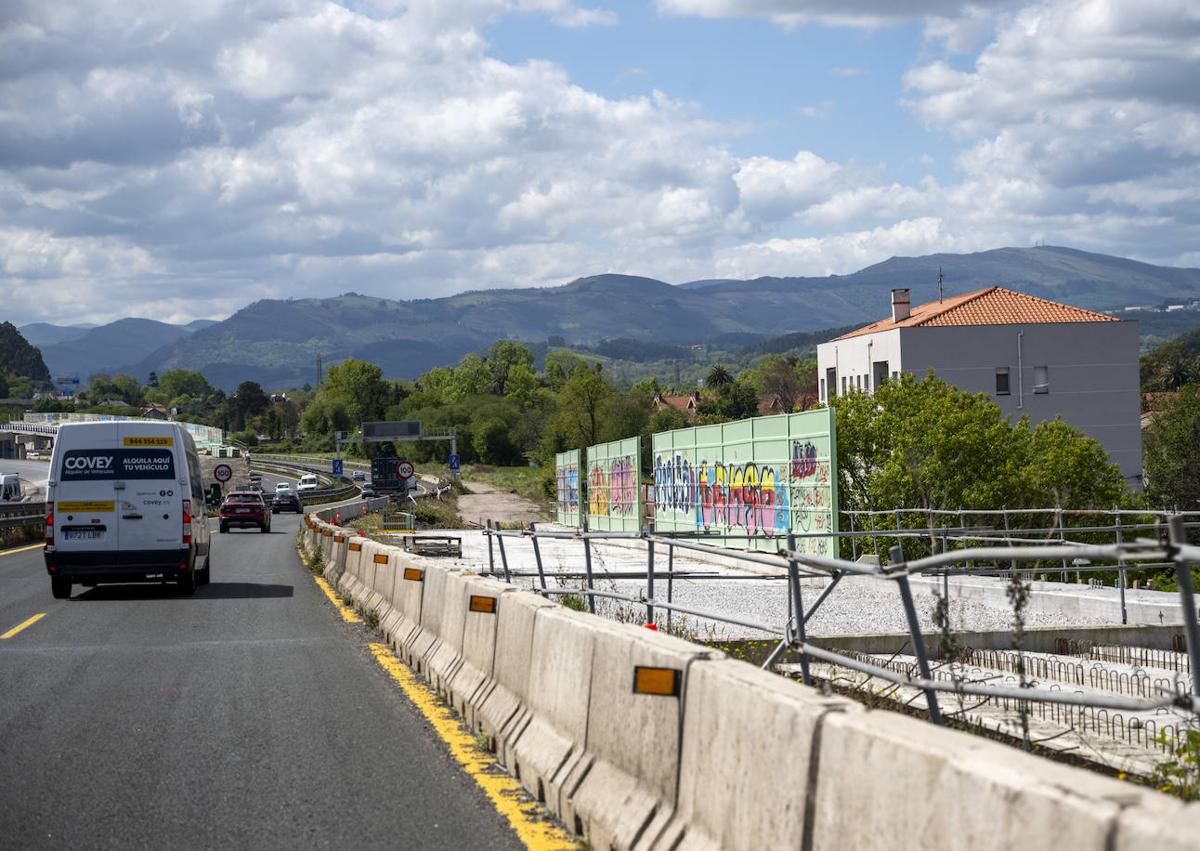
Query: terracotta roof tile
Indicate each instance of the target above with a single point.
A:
(990, 306)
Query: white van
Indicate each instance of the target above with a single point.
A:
(10, 488)
(119, 507)
(308, 482)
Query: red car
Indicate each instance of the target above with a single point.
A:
(243, 509)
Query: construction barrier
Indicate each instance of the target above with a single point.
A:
(638, 739)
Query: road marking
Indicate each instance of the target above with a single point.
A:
(348, 614)
(23, 625)
(504, 791)
(21, 549)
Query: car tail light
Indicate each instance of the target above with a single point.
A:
(187, 521)
(49, 524)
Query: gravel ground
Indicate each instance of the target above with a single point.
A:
(856, 606)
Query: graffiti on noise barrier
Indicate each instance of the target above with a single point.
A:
(612, 488)
(746, 496)
(759, 498)
(568, 488)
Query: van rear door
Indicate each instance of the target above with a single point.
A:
(152, 495)
(86, 500)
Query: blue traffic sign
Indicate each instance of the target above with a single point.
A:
(337, 467)
(454, 464)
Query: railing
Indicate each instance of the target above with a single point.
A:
(792, 564)
(17, 515)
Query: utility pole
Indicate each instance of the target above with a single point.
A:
(939, 283)
(318, 384)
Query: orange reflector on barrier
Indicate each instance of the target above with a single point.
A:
(339, 539)
(380, 558)
(355, 547)
(412, 574)
(328, 533)
(486, 605)
(661, 681)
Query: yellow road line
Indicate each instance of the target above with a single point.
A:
(348, 614)
(23, 625)
(504, 792)
(21, 549)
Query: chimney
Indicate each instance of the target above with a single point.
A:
(900, 305)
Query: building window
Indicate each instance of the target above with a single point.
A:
(843, 385)
(831, 381)
(823, 396)
(1002, 388)
(1041, 379)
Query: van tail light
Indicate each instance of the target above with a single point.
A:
(49, 524)
(187, 521)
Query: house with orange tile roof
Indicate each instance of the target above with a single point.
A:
(1033, 356)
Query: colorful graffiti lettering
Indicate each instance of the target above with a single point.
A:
(567, 480)
(747, 496)
(612, 487)
(804, 459)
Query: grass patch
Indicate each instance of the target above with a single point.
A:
(525, 482)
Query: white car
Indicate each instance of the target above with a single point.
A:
(282, 487)
(308, 482)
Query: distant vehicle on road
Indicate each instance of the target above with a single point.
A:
(308, 482)
(368, 492)
(287, 501)
(358, 476)
(33, 455)
(10, 488)
(119, 504)
(255, 476)
(282, 487)
(242, 509)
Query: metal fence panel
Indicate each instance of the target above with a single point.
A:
(756, 479)
(614, 498)
(566, 472)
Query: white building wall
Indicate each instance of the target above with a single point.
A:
(854, 359)
(1092, 371)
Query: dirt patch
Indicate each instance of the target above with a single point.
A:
(486, 502)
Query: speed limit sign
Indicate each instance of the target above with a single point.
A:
(223, 473)
(404, 469)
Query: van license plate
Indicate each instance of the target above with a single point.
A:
(82, 534)
(243, 511)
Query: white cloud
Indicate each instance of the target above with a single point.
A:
(851, 13)
(167, 162)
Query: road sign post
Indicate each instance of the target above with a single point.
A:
(454, 463)
(223, 473)
(405, 469)
(338, 467)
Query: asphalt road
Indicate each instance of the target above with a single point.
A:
(248, 715)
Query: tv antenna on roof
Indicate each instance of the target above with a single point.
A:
(939, 283)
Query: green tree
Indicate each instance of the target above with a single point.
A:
(522, 385)
(1169, 457)
(560, 365)
(471, 377)
(718, 376)
(177, 383)
(359, 387)
(925, 444)
(581, 404)
(502, 358)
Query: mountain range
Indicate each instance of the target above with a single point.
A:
(84, 350)
(278, 342)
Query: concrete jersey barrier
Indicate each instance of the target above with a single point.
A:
(718, 754)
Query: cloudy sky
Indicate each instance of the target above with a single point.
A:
(179, 160)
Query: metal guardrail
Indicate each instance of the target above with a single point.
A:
(320, 496)
(20, 514)
(793, 563)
